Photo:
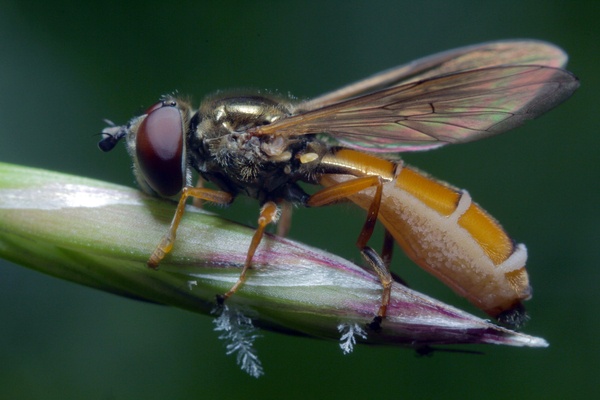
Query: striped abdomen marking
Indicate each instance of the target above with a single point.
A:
(444, 232)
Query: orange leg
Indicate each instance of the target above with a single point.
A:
(369, 226)
(268, 213)
(345, 189)
(340, 191)
(197, 201)
(166, 242)
(285, 220)
(383, 272)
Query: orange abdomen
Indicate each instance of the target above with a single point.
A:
(444, 232)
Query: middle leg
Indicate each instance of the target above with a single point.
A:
(268, 213)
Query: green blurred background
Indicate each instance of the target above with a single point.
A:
(65, 65)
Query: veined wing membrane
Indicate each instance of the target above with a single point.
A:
(454, 108)
(484, 55)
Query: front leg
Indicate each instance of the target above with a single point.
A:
(166, 243)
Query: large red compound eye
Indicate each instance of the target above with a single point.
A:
(159, 149)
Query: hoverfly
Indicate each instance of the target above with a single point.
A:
(261, 146)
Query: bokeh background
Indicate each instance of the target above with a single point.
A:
(66, 65)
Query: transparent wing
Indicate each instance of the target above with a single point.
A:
(484, 55)
(454, 108)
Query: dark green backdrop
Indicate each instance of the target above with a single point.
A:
(65, 65)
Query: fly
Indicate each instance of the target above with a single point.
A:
(262, 146)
